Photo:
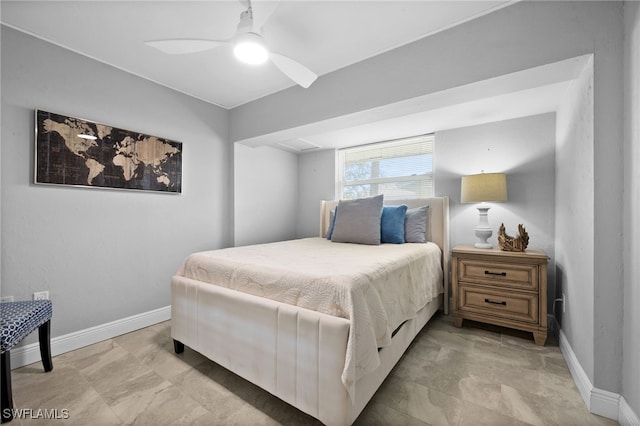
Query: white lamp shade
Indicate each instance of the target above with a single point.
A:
(483, 187)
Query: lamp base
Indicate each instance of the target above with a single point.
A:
(483, 246)
(483, 231)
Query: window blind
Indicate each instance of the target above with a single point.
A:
(402, 168)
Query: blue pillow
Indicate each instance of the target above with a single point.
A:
(392, 224)
(332, 222)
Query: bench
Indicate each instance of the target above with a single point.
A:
(17, 321)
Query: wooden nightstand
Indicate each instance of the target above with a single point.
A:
(500, 287)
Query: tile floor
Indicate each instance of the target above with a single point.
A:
(476, 375)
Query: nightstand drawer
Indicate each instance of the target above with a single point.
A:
(496, 273)
(511, 305)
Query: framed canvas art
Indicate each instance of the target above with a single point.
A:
(73, 151)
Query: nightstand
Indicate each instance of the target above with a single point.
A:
(498, 287)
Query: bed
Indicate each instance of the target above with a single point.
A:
(299, 318)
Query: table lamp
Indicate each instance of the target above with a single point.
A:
(480, 189)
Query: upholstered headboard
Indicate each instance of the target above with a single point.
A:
(437, 227)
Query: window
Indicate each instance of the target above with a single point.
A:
(401, 168)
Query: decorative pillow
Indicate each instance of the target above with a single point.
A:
(332, 222)
(392, 224)
(415, 225)
(358, 221)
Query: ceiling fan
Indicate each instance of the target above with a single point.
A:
(248, 44)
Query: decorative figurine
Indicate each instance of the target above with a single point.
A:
(508, 243)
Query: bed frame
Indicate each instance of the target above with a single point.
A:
(294, 353)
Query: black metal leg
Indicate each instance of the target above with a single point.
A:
(44, 334)
(6, 396)
(178, 346)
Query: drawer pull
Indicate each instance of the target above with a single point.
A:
(493, 302)
(500, 274)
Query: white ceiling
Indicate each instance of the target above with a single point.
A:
(322, 35)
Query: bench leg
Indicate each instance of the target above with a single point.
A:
(178, 346)
(44, 335)
(6, 396)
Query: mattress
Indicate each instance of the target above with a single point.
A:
(375, 287)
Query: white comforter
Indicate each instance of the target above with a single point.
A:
(375, 287)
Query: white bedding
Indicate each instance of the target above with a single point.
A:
(375, 287)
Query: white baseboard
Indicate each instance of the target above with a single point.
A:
(577, 372)
(605, 403)
(626, 416)
(28, 354)
(598, 401)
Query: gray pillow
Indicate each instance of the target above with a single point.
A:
(358, 221)
(415, 225)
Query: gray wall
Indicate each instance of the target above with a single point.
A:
(103, 254)
(265, 195)
(524, 35)
(317, 181)
(522, 148)
(608, 95)
(575, 201)
(631, 207)
(286, 188)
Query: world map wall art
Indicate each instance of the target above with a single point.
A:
(72, 151)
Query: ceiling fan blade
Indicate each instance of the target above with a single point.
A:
(183, 46)
(262, 11)
(293, 69)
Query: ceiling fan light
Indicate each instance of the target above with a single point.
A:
(250, 49)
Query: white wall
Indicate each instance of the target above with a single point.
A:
(575, 216)
(631, 208)
(265, 195)
(522, 148)
(103, 254)
(317, 181)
